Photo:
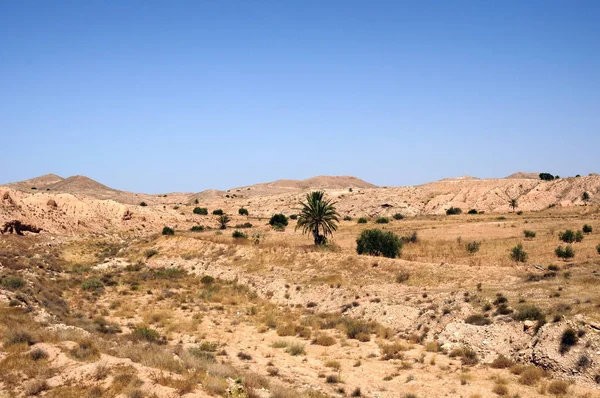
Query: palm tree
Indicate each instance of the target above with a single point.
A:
(513, 203)
(318, 215)
(223, 220)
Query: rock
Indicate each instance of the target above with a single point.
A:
(528, 325)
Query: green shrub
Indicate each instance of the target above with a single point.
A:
(278, 220)
(196, 201)
(243, 212)
(362, 220)
(207, 279)
(565, 253)
(150, 253)
(197, 228)
(472, 211)
(239, 235)
(382, 220)
(546, 176)
(413, 237)
(569, 236)
(244, 225)
(13, 282)
(168, 231)
(585, 196)
(398, 216)
(218, 212)
(376, 242)
(453, 211)
(201, 211)
(294, 217)
(145, 333)
(598, 248)
(529, 312)
(143, 204)
(587, 229)
(473, 246)
(518, 254)
(529, 234)
(347, 218)
(567, 340)
(92, 284)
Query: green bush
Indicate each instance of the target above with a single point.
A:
(362, 220)
(243, 212)
(13, 282)
(472, 211)
(473, 246)
(168, 231)
(217, 212)
(294, 217)
(197, 228)
(569, 236)
(145, 333)
(565, 253)
(207, 279)
(382, 220)
(529, 234)
(598, 248)
(244, 225)
(376, 242)
(398, 216)
(411, 238)
(347, 218)
(92, 284)
(546, 176)
(143, 204)
(567, 340)
(518, 254)
(587, 229)
(278, 220)
(239, 235)
(453, 211)
(585, 196)
(201, 211)
(529, 312)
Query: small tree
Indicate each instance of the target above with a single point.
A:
(239, 235)
(143, 204)
(587, 229)
(318, 214)
(376, 242)
(168, 231)
(218, 212)
(546, 176)
(242, 211)
(278, 220)
(223, 221)
(565, 253)
(472, 211)
(517, 254)
(200, 210)
(585, 197)
(513, 203)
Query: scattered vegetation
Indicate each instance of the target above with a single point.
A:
(203, 211)
(243, 212)
(529, 234)
(517, 254)
(239, 235)
(362, 220)
(168, 231)
(317, 217)
(452, 211)
(278, 221)
(382, 220)
(587, 229)
(223, 220)
(398, 216)
(218, 212)
(473, 246)
(565, 253)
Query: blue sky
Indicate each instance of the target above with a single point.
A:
(158, 96)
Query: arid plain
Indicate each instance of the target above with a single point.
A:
(100, 303)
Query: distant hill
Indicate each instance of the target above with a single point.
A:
(292, 186)
(37, 182)
(524, 175)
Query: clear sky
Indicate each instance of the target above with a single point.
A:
(159, 96)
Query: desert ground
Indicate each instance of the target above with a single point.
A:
(101, 303)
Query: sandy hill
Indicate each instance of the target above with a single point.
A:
(289, 186)
(461, 178)
(37, 182)
(524, 175)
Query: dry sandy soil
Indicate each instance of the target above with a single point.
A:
(99, 304)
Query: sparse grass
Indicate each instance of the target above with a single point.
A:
(295, 349)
